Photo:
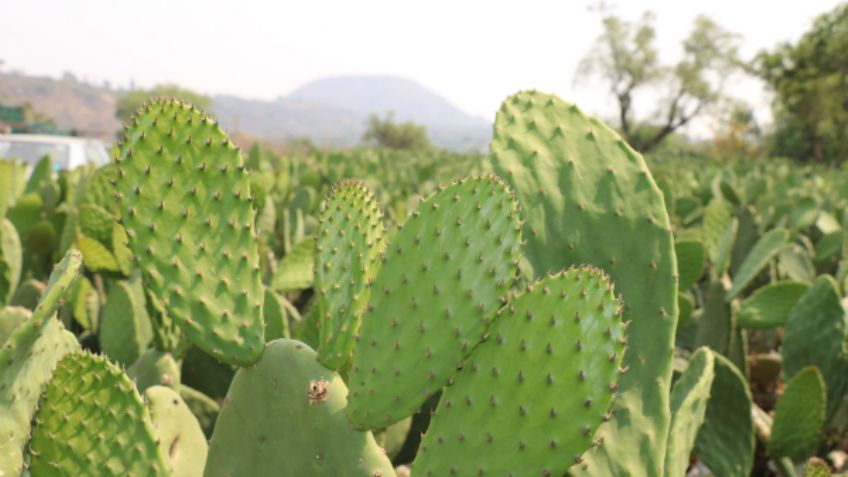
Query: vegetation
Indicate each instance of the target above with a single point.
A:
(387, 133)
(810, 81)
(700, 298)
(625, 57)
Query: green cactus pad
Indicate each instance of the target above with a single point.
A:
(96, 222)
(178, 432)
(27, 361)
(12, 183)
(537, 389)
(10, 318)
(590, 199)
(726, 440)
(715, 326)
(691, 261)
(295, 270)
(155, 368)
(769, 306)
(184, 197)
(11, 260)
(442, 279)
(392, 438)
(28, 294)
(350, 240)
(125, 330)
(815, 335)
(689, 397)
(96, 256)
(764, 250)
(799, 416)
(83, 304)
(276, 317)
(284, 416)
(91, 421)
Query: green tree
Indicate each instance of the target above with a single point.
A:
(810, 82)
(625, 57)
(130, 102)
(385, 132)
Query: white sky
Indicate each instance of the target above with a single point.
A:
(475, 53)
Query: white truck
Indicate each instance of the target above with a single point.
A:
(67, 152)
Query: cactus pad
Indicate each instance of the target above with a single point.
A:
(689, 398)
(124, 329)
(10, 260)
(590, 199)
(91, 421)
(184, 198)
(180, 436)
(350, 241)
(725, 442)
(155, 368)
(442, 279)
(284, 416)
(815, 335)
(537, 389)
(27, 361)
(799, 416)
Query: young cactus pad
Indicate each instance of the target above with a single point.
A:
(180, 436)
(91, 421)
(590, 199)
(441, 282)
(529, 399)
(184, 197)
(27, 361)
(285, 416)
(350, 241)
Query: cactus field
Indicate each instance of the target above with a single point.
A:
(559, 306)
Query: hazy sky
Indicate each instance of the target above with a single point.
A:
(474, 53)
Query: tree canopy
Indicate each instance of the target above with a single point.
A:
(625, 58)
(385, 132)
(810, 82)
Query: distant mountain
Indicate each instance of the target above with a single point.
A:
(331, 112)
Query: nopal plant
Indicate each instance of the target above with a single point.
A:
(544, 334)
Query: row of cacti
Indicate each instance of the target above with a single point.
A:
(537, 304)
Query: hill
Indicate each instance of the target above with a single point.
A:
(330, 112)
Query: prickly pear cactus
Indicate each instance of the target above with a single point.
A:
(350, 240)
(815, 335)
(125, 329)
(590, 199)
(442, 279)
(799, 416)
(185, 200)
(178, 432)
(10, 260)
(689, 398)
(155, 368)
(725, 442)
(27, 361)
(537, 389)
(91, 421)
(284, 416)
